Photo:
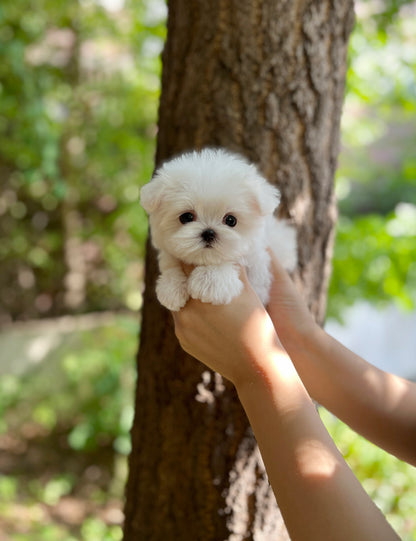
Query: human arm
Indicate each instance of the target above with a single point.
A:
(378, 405)
(318, 494)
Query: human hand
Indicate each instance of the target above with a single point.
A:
(237, 339)
(287, 309)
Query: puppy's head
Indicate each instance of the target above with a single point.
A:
(207, 207)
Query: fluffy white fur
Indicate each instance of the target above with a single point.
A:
(203, 189)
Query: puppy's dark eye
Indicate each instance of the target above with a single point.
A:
(230, 220)
(186, 217)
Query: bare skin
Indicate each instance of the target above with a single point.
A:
(319, 496)
(378, 405)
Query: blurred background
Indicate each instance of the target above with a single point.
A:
(79, 88)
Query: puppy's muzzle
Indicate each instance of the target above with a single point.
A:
(208, 236)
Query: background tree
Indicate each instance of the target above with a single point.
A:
(265, 79)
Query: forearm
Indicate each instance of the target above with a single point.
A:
(318, 495)
(380, 406)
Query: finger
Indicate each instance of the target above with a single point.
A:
(243, 275)
(278, 271)
(187, 269)
(176, 323)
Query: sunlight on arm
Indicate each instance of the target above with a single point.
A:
(393, 388)
(267, 343)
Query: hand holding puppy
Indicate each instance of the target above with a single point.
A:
(229, 338)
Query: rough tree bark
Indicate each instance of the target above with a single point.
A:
(265, 78)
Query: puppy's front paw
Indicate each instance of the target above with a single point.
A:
(217, 285)
(172, 290)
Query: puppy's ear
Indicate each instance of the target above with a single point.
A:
(266, 196)
(151, 195)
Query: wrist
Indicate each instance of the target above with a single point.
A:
(272, 375)
(300, 337)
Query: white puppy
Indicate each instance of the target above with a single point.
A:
(214, 210)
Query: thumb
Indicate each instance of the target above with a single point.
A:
(187, 269)
(243, 275)
(280, 275)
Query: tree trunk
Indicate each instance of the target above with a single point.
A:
(264, 78)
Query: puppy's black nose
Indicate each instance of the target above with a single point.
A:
(208, 235)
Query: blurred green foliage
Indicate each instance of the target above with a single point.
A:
(376, 254)
(72, 415)
(101, 378)
(375, 249)
(78, 100)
